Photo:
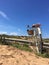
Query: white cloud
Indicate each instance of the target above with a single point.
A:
(13, 33)
(3, 32)
(4, 15)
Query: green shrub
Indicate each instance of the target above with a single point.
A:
(44, 55)
(26, 45)
(22, 47)
(19, 46)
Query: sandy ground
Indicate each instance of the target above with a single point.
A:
(13, 56)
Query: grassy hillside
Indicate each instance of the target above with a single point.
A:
(46, 40)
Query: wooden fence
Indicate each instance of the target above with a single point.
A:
(4, 39)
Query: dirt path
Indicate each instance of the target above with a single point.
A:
(13, 56)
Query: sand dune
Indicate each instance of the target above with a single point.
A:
(13, 56)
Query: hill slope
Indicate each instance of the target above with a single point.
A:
(13, 56)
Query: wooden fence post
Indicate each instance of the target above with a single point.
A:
(1, 38)
(41, 44)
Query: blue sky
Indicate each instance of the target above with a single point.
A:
(15, 15)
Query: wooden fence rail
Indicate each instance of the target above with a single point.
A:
(45, 45)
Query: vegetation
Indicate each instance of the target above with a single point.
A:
(17, 37)
(25, 46)
(22, 47)
(46, 40)
(44, 55)
(10, 36)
